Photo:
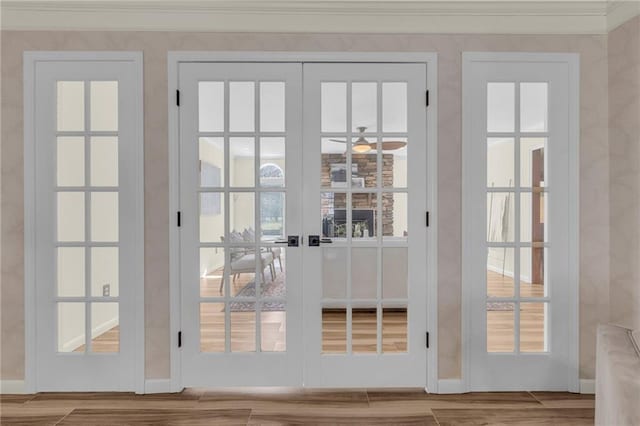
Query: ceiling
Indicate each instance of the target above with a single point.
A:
(323, 16)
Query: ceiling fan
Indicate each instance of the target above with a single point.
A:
(362, 145)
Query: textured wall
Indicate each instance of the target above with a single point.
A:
(594, 169)
(624, 149)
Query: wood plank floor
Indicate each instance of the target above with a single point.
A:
(280, 406)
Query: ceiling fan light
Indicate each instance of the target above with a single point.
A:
(361, 148)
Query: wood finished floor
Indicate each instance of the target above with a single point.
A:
(278, 406)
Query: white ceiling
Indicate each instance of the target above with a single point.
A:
(345, 16)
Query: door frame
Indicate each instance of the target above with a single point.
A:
(572, 62)
(174, 58)
(30, 60)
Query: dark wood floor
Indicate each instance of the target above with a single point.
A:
(294, 407)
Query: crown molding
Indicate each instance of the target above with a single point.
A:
(621, 11)
(323, 16)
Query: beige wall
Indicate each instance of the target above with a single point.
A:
(624, 149)
(594, 169)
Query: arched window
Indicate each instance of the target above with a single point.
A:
(271, 175)
(272, 203)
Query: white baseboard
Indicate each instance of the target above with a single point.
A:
(587, 386)
(451, 386)
(523, 278)
(12, 386)
(76, 342)
(157, 386)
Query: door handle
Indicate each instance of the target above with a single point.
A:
(315, 240)
(291, 241)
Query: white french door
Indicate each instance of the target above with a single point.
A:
(268, 174)
(520, 192)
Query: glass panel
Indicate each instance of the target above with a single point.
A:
(363, 215)
(70, 105)
(104, 161)
(211, 153)
(273, 329)
(242, 271)
(333, 214)
(394, 107)
(364, 168)
(242, 212)
(242, 106)
(501, 107)
(532, 162)
(71, 273)
(500, 217)
(212, 326)
(533, 264)
(104, 216)
(500, 162)
(105, 334)
(500, 270)
(243, 327)
(104, 105)
(334, 272)
(70, 161)
(500, 332)
(211, 217)
(272, 210)
(242, 155)
(70, 216)
(275, 279)
(211, 271)
(334, 163)
(533, 107)
(364, 106)
(364, 330)
(104, 272)
(394, 272)
(272, 106)
(334, 330)
(71, 327)
(333, 112)
(364, 277)
(211, 106)
(394, 162)
(533, 327)
(272, 162)
(395, 210)
(394, 329)
(532, 217)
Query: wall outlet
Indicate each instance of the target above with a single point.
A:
(106, 290)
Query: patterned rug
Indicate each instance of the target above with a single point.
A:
(275, 288)
(499, 306)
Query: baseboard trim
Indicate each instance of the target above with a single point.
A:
(451, 386)
(157, 386)
(12, 386)
(587, 386)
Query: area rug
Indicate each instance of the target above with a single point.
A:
(275, 288)
(499, 306)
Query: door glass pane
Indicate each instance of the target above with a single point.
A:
(334, 273)
(211, 271)
(395, 266)
(211, 217)
(364, 328)
(533, 327)
(242, 155)
(71, 327)
(395, 210)
(105, 272)
(364, 167)
(242, 214)
(104, 216)
(532, 162)
(501, 107)
(533, 267)
(242, 106)
(500, 319)
(105, 329)
(333, 214)
(272, 220)
(211, 153)
(272, 162)
(104, 161)
(104, 105)
(394, 328)
(500, 217)
(212, 327)
(70, 161)
(272, 106)
(211, 106)
(70, 216)
(533, 208)
(394, 162)
(333, 107)
(274, 283)
(243, 263)
(71, 273)
(363, 215)
(243, 327)
(533, 107)
(364, 281)
(500, 272)
(394, 107)
(70, 105)
(364, 106)
(334, 330)
(500, 162)
(273, 327)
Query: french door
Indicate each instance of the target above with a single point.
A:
(302, 234)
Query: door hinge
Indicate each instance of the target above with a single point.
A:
(426, 219)
(179, 219)
(427, 98)
(427, 341)
(177, 97)
(179, 339)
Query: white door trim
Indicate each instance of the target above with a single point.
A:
(430, 59)
(31, 59)
(573, 65)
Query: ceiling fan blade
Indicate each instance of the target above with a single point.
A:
(337, 140)
(389, 145)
